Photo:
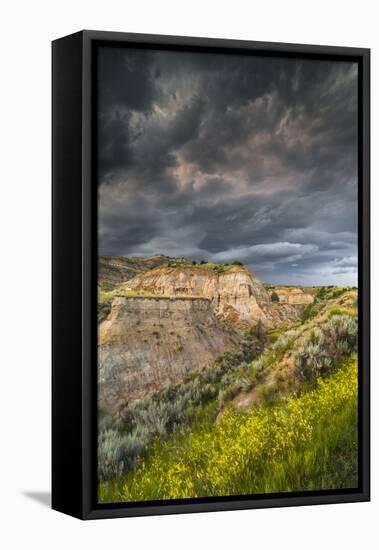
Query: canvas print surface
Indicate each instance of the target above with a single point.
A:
(227, 275)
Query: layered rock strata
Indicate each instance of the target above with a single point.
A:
(236, 294)
(146, 343)
(169, 321)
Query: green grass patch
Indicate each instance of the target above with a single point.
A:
(330, 292)
(104, 297)
(340, 311)
(150, 295)
(274, 334)
(206, 266)
(310, 311)
(107, 286)
(298, 444)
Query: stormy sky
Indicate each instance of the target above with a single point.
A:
(226, 157)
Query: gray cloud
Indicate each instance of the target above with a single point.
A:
(230, 157)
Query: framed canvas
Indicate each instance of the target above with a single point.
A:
(210, 275)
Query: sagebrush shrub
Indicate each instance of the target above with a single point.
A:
(312, 360)
(228, 393)
(281, 343)
(117, 454)
(122, 437)
(342, 328)
(326, 347)
(245, 384)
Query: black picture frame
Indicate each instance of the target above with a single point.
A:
(74, 273)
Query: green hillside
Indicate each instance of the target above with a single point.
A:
(279, 414)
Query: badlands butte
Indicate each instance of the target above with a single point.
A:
(162, 318)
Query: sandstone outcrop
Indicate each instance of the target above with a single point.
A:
(236, 294)
(174, 318)
(293, 296)
(146, 343)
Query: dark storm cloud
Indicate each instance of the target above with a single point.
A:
(126, 79)
(126, 84)
(230, 157)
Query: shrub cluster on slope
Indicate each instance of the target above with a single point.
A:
(299, 444)
(169, 420)
(325, 347)
(322, 294)
(252, 374)
(123, 438)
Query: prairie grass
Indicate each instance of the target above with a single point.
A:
(174, 408)
(353, 312)
(122, 293)
(107, 297)
(206, 266)
(296, 444)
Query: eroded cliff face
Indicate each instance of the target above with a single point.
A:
(146, 343)
(293, 296)
(168, 321)
(236, 294)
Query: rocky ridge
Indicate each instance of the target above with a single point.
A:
(113, 270)
(292, 295)
(236, 294)
(170, 320)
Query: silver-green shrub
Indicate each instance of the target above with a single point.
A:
(118, 453)
(326, 347)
